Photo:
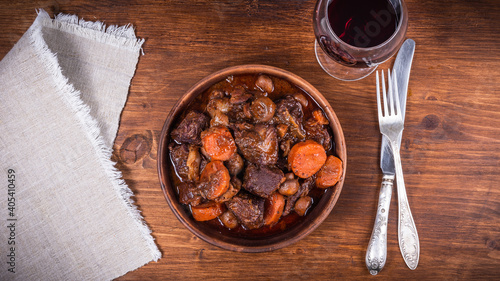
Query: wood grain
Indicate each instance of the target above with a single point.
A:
(451, 142)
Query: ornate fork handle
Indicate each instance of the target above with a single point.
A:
(376, 254)
(407, 231)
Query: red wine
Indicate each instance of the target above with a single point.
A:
(362, 23)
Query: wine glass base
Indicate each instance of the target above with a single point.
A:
(338, 71)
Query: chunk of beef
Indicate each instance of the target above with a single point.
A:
(289, 112)
(258, 144)
(186, 160)
(282, 130)
(262, 180)
(240, 112)
(285, 146)
(189, 194)
(282, 164)
(290, 105)
(218, 105)
(178, 155)
(304, 189)
(248, 208)
(318, 132)
(189, 129)
(241, 126)
(239, 95)
(234, 188)
(216, 94)
(204, 159)
(219, 119)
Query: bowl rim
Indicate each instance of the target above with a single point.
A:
(276, 241)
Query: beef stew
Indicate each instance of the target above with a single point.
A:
(230, 157)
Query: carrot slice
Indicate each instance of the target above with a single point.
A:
(218, 143)
(214, 180)
(207, 211)
(306, 158)
(320, 117)
(330, 173)
(273, 208)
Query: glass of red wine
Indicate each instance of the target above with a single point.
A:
(354, 36)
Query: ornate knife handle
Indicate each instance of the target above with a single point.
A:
(407, 231)
(376, 254)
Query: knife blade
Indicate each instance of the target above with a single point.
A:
(376, 254)
(401, 68)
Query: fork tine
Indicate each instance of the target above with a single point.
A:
(396, 94)
(378, 99)
(391, 93)
(385, 94)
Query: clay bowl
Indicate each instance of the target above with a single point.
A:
(253, 244)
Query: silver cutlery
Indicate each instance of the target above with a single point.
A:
(376, 254)
(391, 125)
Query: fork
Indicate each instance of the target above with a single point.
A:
(391, 125)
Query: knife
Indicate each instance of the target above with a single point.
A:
(376, 254)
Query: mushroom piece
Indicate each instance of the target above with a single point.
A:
(265, 83)
(239, 95)
(235, 164)
(302, 205)
(289, 187)
(218, 104)
(301, 98)
(193, 163)
(229, 219)
(263, 109)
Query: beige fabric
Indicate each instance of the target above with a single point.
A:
(62, 89)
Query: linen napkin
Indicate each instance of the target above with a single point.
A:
(66, 213)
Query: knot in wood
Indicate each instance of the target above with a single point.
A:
(134, 148)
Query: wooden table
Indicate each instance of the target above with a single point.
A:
(451, 141)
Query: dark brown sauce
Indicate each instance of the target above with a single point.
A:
(282, 88)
